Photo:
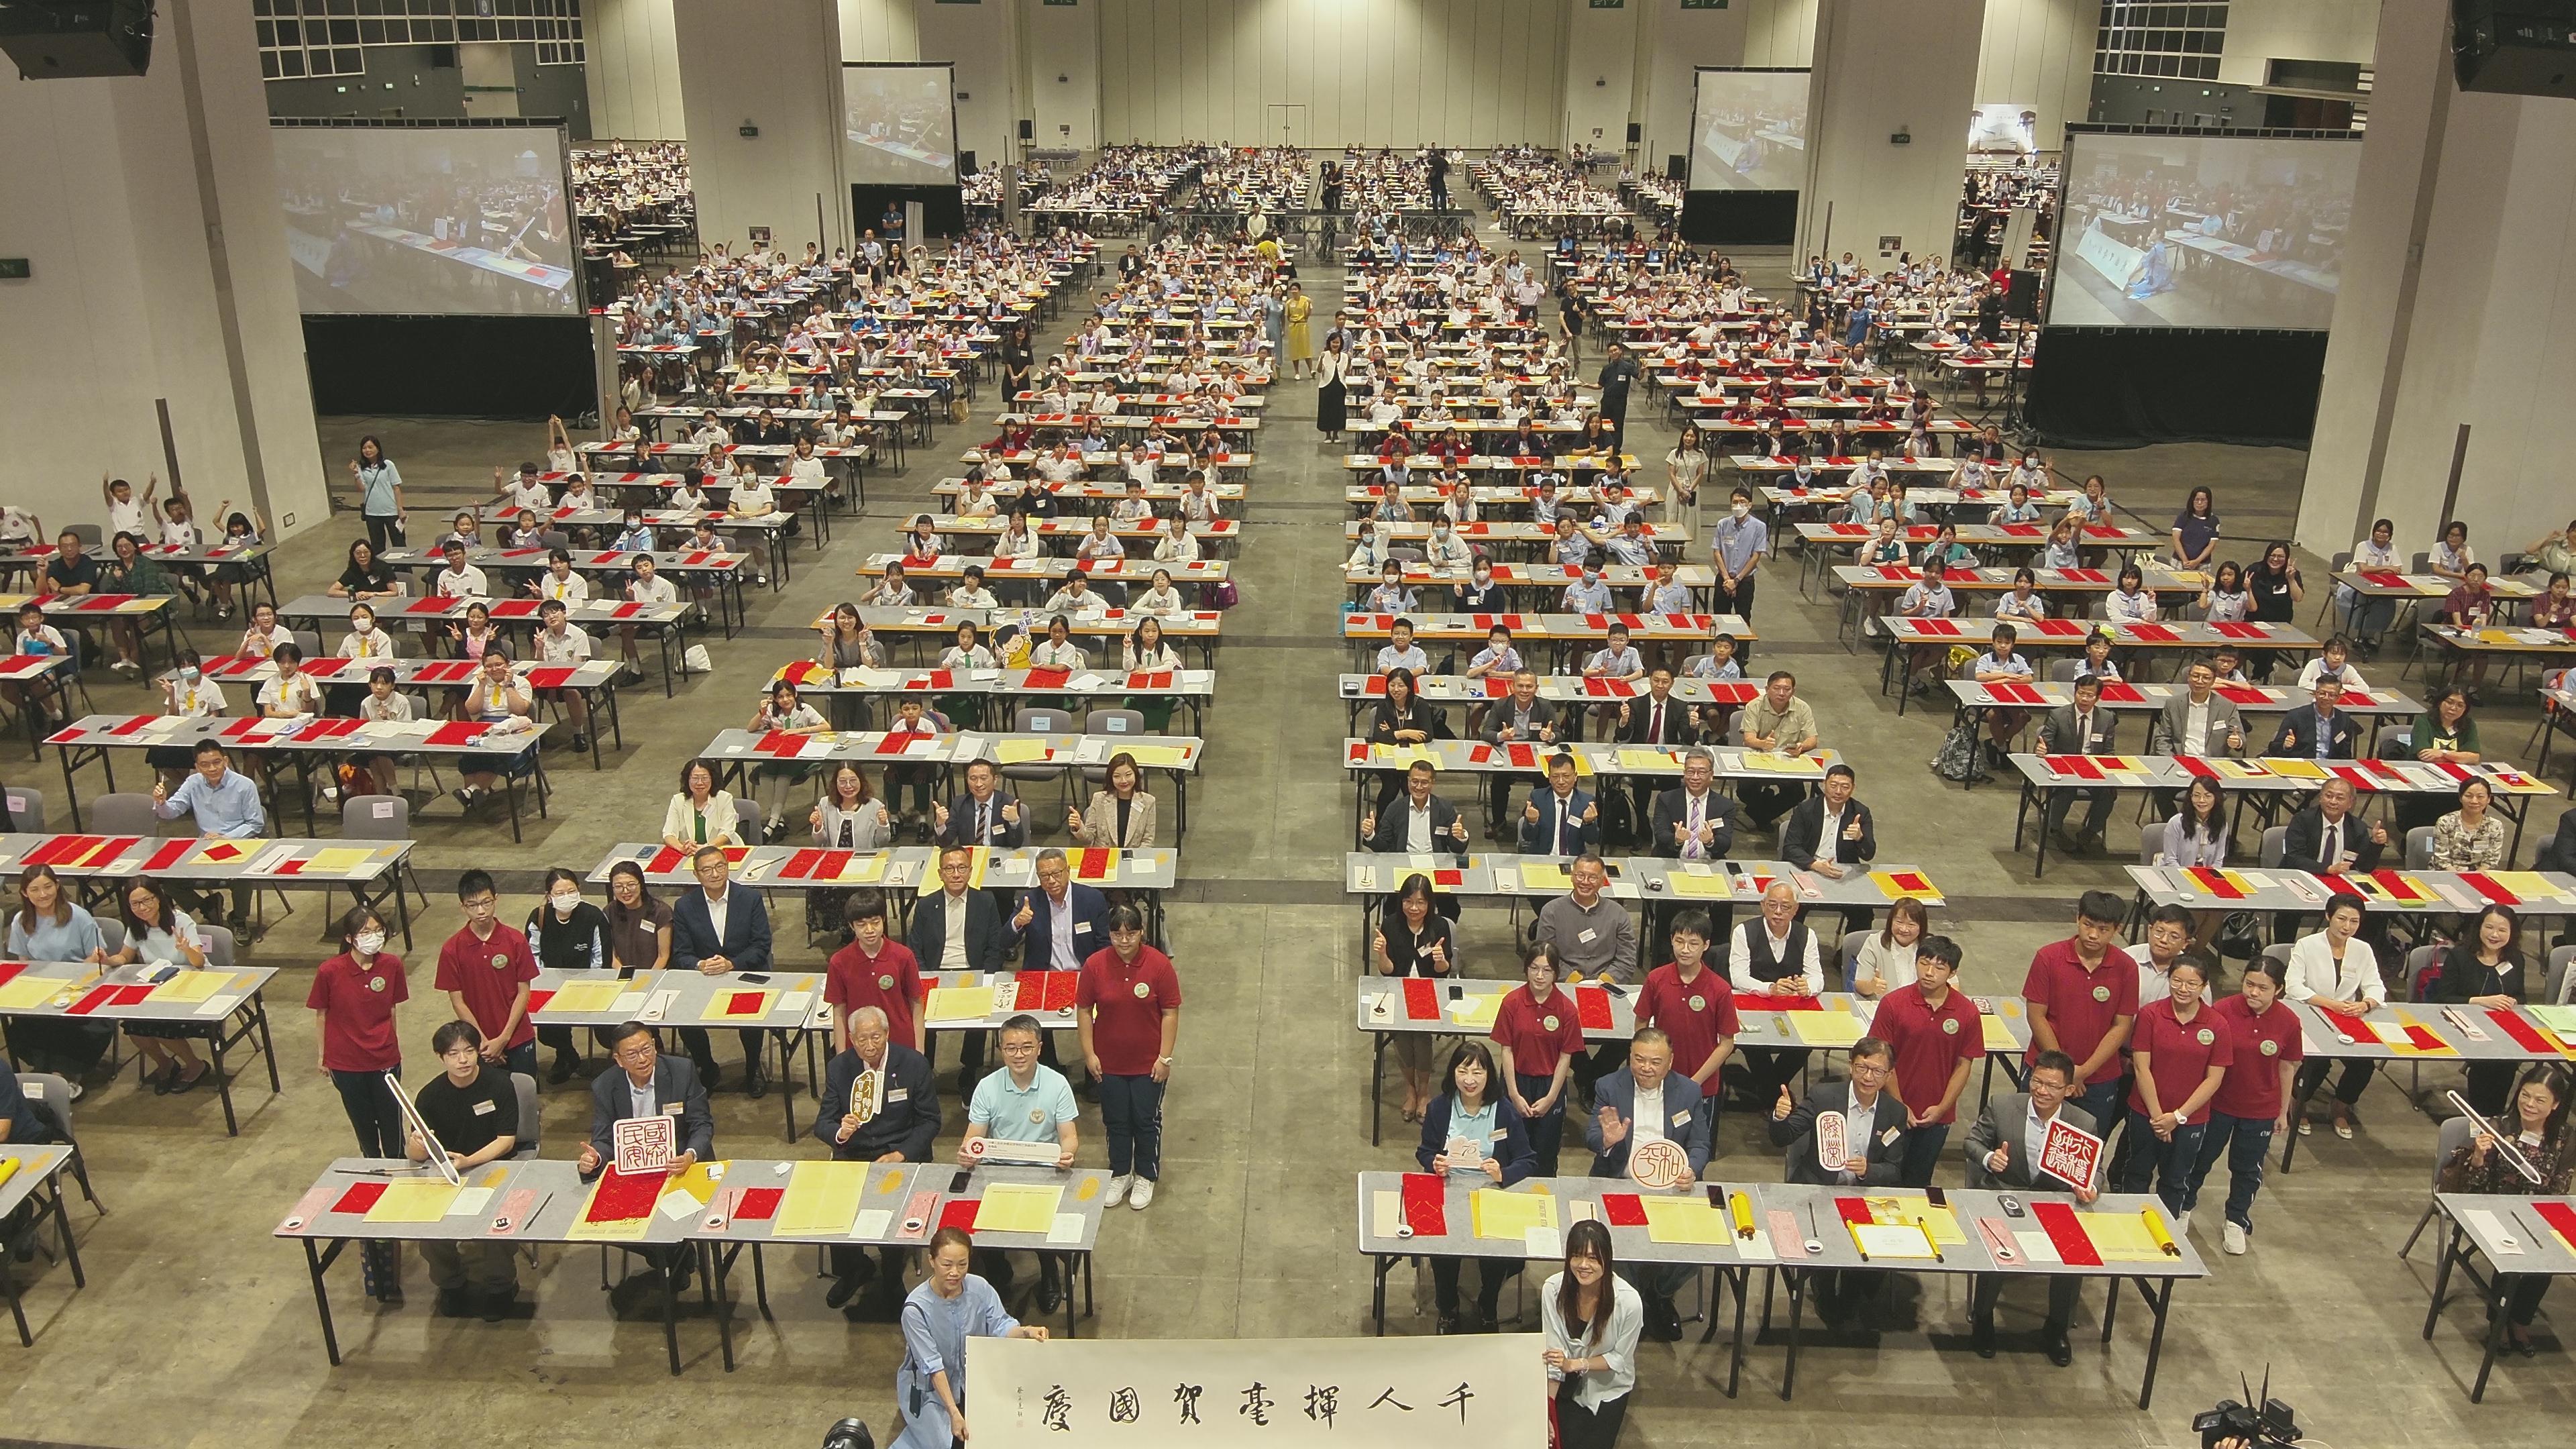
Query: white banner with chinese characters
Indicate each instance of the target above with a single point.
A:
(1467, 1391)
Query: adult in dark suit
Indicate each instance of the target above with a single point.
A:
(2081, 728)
(1059, 901)
(1675, 1111)
(2321, 732)
(699, 942)
(984, 815)
(1501, 1157)
(970, 921)
(2222, 728)
(1560, 819)
(1832, 834)
(2327, 838)
(1390, 831)
(1695, 822)
(1519, 718)
(1874, 1138)
(1658, 722)
(2003, 1152)
(648, 1084)
(878, 1105)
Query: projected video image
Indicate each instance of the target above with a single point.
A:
(2202, 231)
(901, 125)
(448, 221)
(2008, 129)
(1749, 131)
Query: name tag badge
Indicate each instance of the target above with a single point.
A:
(899, 1094)
(485, 1107)
(1586, 935)
(1082, 928)
(1494, 1136)
(1681, 1119)
(674, 1109)
(1888, 1137)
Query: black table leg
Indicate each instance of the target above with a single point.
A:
(1382, 1266)
(2450, 1247)
(671, 1313)
(713, 1264)
(1797, 1311)
(316, 1262)
(2160, 1298)
(2496, 1301)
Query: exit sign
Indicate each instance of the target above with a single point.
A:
(14, 269)
(1703, 4)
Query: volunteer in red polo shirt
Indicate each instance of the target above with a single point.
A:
(1693, 1004)
(2083, 1000)
(485, 970)
(1129, 1011)
(1538, 1034)
(2254, 1101)
(2181, 1054)
(354, 995)
(1937, 1035)
(874, 971)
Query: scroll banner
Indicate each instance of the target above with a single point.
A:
(1466, 1391)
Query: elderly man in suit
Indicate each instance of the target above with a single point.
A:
(877, 1106)
(957, 929)
(1560, 819)
(2320, 732)
(1519, 718)
(1873, 1134)
(2081, 728)
(1646, 1101)
(648, 1084)
(715, 930)
(2004, 1152)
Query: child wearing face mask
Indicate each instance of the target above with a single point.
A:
(566, 933)
(353, 999)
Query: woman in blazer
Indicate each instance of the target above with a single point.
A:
(1470, 1132)
(700, 814)
(1121, 816)
(2336, 970)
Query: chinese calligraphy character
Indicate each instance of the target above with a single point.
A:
(1124, 1406)
(1059, 1405)
(1320, 1403)
(1187, 1396)
(1389, 1398)
(1256, 1404)
(1459, 1396)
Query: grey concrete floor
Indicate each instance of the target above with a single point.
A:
(198, 1328)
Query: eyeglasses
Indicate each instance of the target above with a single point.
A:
(1868, 1069)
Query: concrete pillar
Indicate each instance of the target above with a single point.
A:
(1884, 67)
(773, 65)
(147, 208)
(2457, 308)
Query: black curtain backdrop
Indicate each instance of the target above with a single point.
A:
(1739, 218)
(943, 208)
(2125, 387)
(488, 367)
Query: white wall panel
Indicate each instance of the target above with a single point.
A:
(1377, 72)
(1779, 32)
(633, 72)
(731, 71)
(2039, 53)
(1064, 40)
(879, 30)
(2261, 30)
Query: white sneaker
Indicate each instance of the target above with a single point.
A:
(2233, 1239)
(1141, 1196)
(1117, 1190)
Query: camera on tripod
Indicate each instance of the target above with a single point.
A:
(2273, 1425)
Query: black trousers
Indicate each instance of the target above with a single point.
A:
(693, 1039)
(383, 533)
(1580, 1428)
(2062, 1291)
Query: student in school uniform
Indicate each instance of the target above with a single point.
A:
(353, 997)
(472, 1108)
(485, 969)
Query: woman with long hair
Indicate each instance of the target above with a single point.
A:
(158, 931)
(2539, 1128)
(2484, 968)
(1887, 955)
(1591, 1318)
(1414, 939)
(1470, 1132)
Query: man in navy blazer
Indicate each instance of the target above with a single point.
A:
(984, 941)
(716, 929)
(1560, 819)
(985, 814)
(2301, 729)
(1061, 922)
(648, 1084)
(1673, 1109)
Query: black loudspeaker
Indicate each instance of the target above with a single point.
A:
(966, 163)
(1636, 133)
(2021, 296)
(62, 39)
(1677, 167)
(1028, 130)
(2514, 47)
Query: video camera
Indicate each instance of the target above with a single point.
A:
(2273, 1425)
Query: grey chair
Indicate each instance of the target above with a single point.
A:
(2278, 953)
(530, 1123)
(2418, 961)
(2453, 1135)
(123, 813)
(218, 945)
(2554, 981)
(381, 817)
(2062, 671)
(308, 640)
(1850, 954)
(2420, 561)
(2419, 848)
(1043, 722)
(2269, 855)
(1122, 723)
(26, 807)
(92, 536)
(747, 821)
(2326, 607)
(111, 933)
(50, 1097)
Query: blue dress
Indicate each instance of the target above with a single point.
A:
(935, 1331)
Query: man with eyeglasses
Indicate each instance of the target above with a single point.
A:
(2004, 1150)
(1873, 1153)
(1028, 1101)
(716, 931)
(648, 1084)
(878, 1105)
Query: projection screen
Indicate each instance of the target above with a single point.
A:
(2201, 230)
(446, 220)
(1749, 131)
(899, 125)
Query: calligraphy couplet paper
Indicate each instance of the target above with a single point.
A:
(1463, 1391)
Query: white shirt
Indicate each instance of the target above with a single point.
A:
(656, 590)
(570, 647)
(952, 950)
(1647, 1123)
(374, 644)
(464, 583)
(299, 695)
(1417, 827)
(719, 907)
(1615, 1345)
(572, 588)
(2195, 726)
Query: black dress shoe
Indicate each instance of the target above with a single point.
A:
(452, 1303)
(1983, 1337)
(841, 1291)
(1448, 1323)
(711, 1075)
(756, 1084)
(566, 1063)
(162, 1079)
(2059, 1353)
(496, 1303)
(1663, 1320)
(1050, 1294)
